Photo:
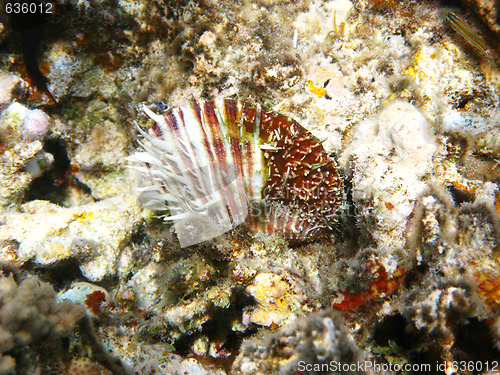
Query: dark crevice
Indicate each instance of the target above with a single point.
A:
(460, 195)
(59, 275)
(219, 329)
(393, 329)
(53, 185)
(475, 343)
(396, 338)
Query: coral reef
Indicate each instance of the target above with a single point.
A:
(400, 101)
(95, 298)
(84, 366)
(278, 297)
(488, 11)
(23, 158)
(14, 171)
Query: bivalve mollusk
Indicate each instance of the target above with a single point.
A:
(216, 164)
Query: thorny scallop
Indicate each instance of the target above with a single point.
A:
(231, 162)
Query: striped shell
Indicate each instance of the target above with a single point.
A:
(215, 164)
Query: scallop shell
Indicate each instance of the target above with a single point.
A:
(216, 164)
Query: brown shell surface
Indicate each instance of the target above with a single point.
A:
(301, 175)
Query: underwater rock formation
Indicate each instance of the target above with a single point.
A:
(92, 234)
(384, 189)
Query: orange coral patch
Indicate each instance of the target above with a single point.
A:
(381, 286)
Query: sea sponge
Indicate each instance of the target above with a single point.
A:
(29, 312)
(319, 338)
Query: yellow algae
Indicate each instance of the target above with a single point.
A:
(315, 89)
(52, 251)
(415, 72)
(84, 215)
(421, 65)
(389, 100)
